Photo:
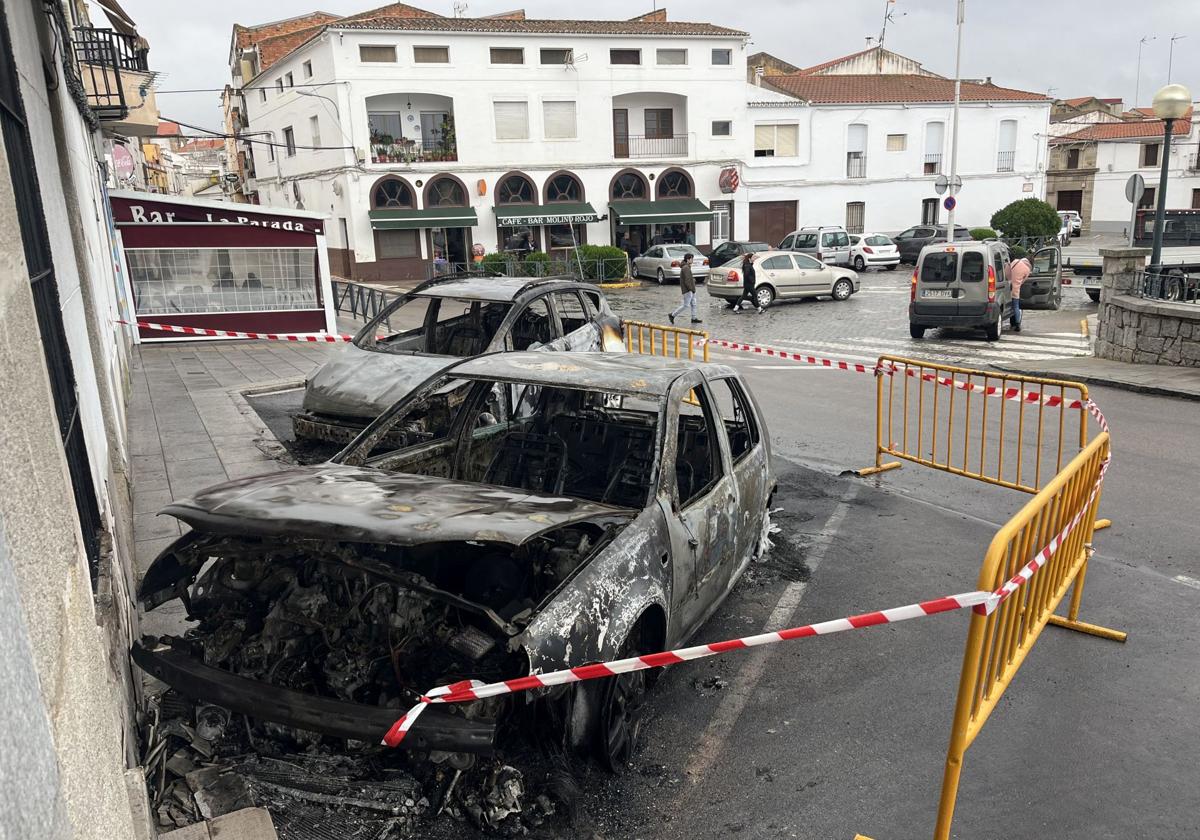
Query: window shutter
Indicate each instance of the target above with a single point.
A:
(787, 140)
(764, 137)
(856, 138)
(512, 120)
(559, 119)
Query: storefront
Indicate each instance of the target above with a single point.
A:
(223, 266)
(663, 222)
(554, 228)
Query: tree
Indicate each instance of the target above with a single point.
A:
(1027, 217)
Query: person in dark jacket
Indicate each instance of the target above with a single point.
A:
(749, 281)
(687, 286)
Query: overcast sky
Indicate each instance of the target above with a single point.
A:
(1066, 49)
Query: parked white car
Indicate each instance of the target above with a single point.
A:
(1076, 221)
(873, 249)
(662, 262)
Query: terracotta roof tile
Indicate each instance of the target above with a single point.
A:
(1125, 131)
(829, 90)
(166, 128)
(549, 27)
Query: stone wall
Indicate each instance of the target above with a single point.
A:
(1142, 331)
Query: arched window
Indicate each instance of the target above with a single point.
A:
(628, 185)
(445, 191)
(674, 183)
(563, 186)
(392, 194)
(516, 189)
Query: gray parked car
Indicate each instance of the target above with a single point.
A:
(962, 285)
(783, 275)
(662, 263)
(541, 511)
(830, 244)
(441, 321)
(911, 241)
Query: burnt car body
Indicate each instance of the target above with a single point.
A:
(569, 509)
(439, 322)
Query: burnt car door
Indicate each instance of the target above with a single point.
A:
(748, 466)
(580, 330)
(532, 325)
(699, 502)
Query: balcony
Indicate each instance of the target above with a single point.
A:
(117, 79)
(1005, 161)
(411, 128)
(1193, 162)
(856, 165)
(642, 146)
(933, 164)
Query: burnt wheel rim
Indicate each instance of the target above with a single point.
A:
(624, 701)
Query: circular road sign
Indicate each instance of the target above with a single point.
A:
(1135, 187)
(949, 202)
(941, 184)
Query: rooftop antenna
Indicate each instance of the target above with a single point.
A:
(888, 17)
(460, 8)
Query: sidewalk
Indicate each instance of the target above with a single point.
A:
(1164, 380)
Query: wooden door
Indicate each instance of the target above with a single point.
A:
(621, 132)
(771, 221)
(1070, 200)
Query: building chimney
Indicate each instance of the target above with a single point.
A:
(759, 71)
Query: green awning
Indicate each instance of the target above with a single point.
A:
(559, 213)
(430, 217)
(660, 212)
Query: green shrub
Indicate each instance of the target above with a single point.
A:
(982, 233)
(1016, 251)
(497, 262)
(536, 263)
(602, 263)
(1027, 217)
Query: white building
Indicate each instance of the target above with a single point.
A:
(836, 144)
(420, 133)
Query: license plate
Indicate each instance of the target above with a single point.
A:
(937, 293)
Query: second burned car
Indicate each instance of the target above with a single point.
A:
(566, 509)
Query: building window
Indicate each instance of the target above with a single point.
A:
(856, 211)
(288, 81)
(397, 244)
(516, 189)
(556, 55)
(241, 279)
(721, 227)
(1196, 199)
(279, 85)
(897, 142)
(722, 128)
(289, 140)
(674, 183)
(392, 194)
(672, 57)
(512, 120)
(1147, 201)
(270, 141)
(1150, 154)
(262, 94)
(558, 119)
(377, 54)
(929, 210)
(314, 127)
(563, 187)
(722, 58)
(508, 55)
(856, 151)
(1072, 158)
(624, 56)
(776, 140)
(445, 192)
(660, 123)
(629, 185)
(307, 68)
(935, 137)
(431, 55)
(1006, 158)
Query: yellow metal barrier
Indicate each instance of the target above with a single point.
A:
(933, 415)
(652, 340)
(998, 643)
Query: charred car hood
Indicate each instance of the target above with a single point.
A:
(365, 383)
(334, 501)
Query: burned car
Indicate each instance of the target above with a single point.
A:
(572, 508)
(438, 322)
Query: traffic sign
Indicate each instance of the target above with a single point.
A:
(941, 184)
(949, 202)
(1135, 188)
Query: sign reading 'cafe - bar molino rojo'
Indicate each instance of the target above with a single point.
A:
(223, 266)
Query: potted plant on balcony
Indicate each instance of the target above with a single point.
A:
(383, 148)
(446, 140)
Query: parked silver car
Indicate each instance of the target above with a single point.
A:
(962, 285)
(783, 275)
(438, 323)
(828, 243)
(662, 263)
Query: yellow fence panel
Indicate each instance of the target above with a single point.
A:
(663, 340)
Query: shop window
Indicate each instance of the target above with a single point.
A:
(629, 185)
(397, 244)
(563, 187)
(721, 227)
(445, 192)
(516, 189)
(674, 184)
(169, 281)
(565, 237)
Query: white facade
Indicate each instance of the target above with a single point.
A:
(1117, 160)
(892, 178)
(490, 104)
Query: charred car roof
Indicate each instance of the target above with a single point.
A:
(611, 372)
(500, 289)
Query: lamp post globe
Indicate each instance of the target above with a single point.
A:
(1170, 103)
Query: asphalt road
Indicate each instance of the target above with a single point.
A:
(827, 737)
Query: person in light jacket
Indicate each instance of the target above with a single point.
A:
(1017, 271)
(687, 286)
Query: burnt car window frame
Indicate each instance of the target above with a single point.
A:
(520, 307)
(555, 297)
(740, 402)
(677, 397)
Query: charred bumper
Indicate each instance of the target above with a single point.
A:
(322, 427)
(436, 729)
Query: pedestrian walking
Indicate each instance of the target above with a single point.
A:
(687, 286)
(1017, 271)
(749, 282)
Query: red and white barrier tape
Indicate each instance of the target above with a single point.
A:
(788, 354)
(981, 602)
(329, 338)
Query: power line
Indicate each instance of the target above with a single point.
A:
(246, 138)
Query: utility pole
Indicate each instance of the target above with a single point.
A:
(962, 12)
(1137, 85)
(1171, 54)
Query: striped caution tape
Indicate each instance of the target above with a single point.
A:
(980, 601)
(788, 354)
(329, 338)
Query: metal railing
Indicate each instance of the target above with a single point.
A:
(593, 270)
(661, 340)
(933, 164)
(1173, 285)
(414, 151)
(1193, 162)
(1005, 161)
(856, 165)
(638, 145)
(360, 302)
(101, 55)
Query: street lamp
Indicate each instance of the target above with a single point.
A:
(1170, 103)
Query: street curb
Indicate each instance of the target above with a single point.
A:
(1152, 390)
(630, 285)
(264, 438)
